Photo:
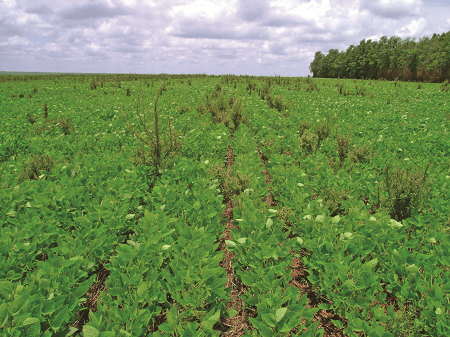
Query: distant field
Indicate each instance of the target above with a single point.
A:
(137, 205)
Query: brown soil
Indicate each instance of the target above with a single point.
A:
(93, 294)
(236, 325)
(299, 280)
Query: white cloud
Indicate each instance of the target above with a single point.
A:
(393, 8)
(414, 28)
(260, 37)
(18, 41)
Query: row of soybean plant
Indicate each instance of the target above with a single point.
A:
(262, 250)
(357, 254)
(166, 278)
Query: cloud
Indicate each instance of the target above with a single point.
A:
(252, 10)
(393, 9)
(414, 28)
(260, 37)
(93, 11)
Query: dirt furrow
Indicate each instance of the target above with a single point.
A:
(233, 326)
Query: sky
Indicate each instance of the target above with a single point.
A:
(242, 37)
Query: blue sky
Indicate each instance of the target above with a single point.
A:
(255, 37)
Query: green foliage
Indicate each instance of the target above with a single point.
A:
(307, 141)
(31, 118)
(32, 169)
(45, 110)
(334, 201)
(232, 182)
(224, 109)
(342, 145)
(102, 242)
(323, 130)
(93, 84)
(361, 154)
(407, 189)
(158, 147)
(388, 58)
(183, 108)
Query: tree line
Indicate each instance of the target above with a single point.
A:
(426, 60)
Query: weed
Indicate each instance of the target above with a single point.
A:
(157, 148)
(304, 125)
(360, 154)
(232, 183)
(404, 323)
(342, 145)
(35, 89)
(21, 95)
(202, 108)
(419, 86)
(360, 90)
(323, 130)
(224, 109)
(31, 118)
(334, 199)
(276, 102)
(128, 92)
(307, 141)
(66, 126)
(162, 87)
(45, 110)
(406, 188)
(32, 169)
(183, 108)
(444, 86)
(285, 214)
(404, 100)
(93, 84)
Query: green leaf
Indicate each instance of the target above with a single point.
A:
(371, 264)
(264, 330)
(299, 240)
(338, 324)
(325, 306)
(90, 331)
(320, 218)
(242, 240)
(280, 314)
(141, 289)
(231, 313)
(269, 223)
(346, 235)
(3, 314)
(61, 317)
(48, 307)
(336, 219)
(30, 321)
(209, 323)
(12, 214)
(82, 288)
(230, 243)
(129, 216)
